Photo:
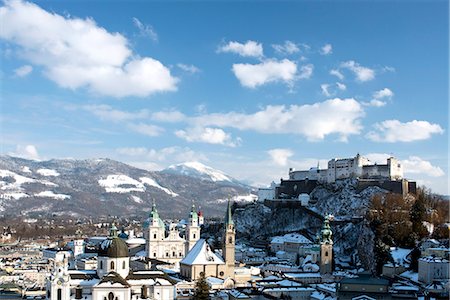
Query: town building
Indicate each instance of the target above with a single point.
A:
(113, 279)
(201, 258)
(170, 246)
(433, 268)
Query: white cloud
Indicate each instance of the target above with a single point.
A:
(392, 131)
(412, 165)
(362, 73)
(287, 48)
(27, 151)
(252, 76)
(416, 165)
(146, 129)
(327, 49)
(337, 73)
(341, 86)
(324, 87)
(306, 71)
(145, 30)
(77, 53)
(280, 156)
(188, 68)
(329, 90)
(168, 116)
(207, 135)
(107, 113)
(249, 49)
(375, 103)
(157, 159)
(314, 121)
(23, 71)
(384, 93)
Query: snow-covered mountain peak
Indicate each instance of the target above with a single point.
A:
(199, 170)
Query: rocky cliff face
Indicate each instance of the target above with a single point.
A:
(351, 234)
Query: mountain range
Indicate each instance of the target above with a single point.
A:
(102, 187)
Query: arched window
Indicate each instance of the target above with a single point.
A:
(110, 296)
(154, 254)
(123, 265)
(112, 265)
(230, 240)
(326, 253)
(194, 235)
(154, 235)
(59, 295)
(173, 254)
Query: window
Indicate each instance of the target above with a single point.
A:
(154, 235)
(101, 264)
(167, 254)
(154, 254)
(110, 296)
(326, 253)
(194, 235)
(180, 255)
(123, 265)
(59, 295)
(112, 265)
(230, 240)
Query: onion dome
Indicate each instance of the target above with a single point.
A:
(113, 246)
(154, 216)
(193, 214)
(326, 232)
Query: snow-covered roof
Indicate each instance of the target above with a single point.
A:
(201, 254)
(291, 238)
(399, 254)
(136, 241)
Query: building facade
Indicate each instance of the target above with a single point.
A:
(170, 246)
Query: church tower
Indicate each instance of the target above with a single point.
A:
(192, 229)
(229, 243)
(58, 287)
(156, 233)
(326, 247)
(78, 244)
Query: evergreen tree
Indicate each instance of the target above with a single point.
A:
(415, 255)
(418, 214)
(201, 288)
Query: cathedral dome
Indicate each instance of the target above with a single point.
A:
(113, 246)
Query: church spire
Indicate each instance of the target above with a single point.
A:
(113, 230)
(228, 216)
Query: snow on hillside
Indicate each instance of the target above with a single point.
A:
(121, 184)
(47, 172)
(239, 198)
(51, 194)
(196, 169)
(11, 184)
(152, 182)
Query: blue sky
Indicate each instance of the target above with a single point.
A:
(251, 88)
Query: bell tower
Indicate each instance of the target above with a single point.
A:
(326, 247)
(228, 246)
(192, 229)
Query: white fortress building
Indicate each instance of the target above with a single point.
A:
(356, 167)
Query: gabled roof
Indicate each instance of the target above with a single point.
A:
(201, 254)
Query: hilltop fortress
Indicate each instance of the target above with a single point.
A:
(387, 176)
(356, 167)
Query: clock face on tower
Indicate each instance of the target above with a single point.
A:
(60, 281)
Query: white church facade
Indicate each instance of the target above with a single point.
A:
(171, 246)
